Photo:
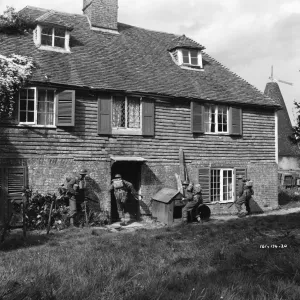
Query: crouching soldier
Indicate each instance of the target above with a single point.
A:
(193, 198)
(247, 193)
(121, 188)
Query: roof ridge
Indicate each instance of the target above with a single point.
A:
(53, 10)
(138, 27)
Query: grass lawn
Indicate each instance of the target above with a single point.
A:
(236, 260)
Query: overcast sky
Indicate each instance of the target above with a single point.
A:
(246, 36)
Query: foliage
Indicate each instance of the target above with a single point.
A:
(12, 22)
(15, 72)
(295, 137)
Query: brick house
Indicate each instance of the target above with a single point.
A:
(115, 98)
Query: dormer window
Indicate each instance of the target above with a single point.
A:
(54, 37)
(190, 58)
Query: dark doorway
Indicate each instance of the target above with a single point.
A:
(130, 171)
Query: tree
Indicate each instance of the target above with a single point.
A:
(296, 129)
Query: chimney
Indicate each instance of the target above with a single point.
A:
(102, 13)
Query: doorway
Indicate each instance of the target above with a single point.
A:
(130, 171)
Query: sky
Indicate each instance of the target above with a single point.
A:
(248, 37)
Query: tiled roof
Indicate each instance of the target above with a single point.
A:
(184, 42)
(285, 145)
(135, 60)
(53, 17)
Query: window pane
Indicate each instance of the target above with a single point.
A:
(30, 105)
(47, 30)
(23, 116)
(133, 117)
(41, 107)
(30, 117)
(46, 40)
(59, 32)
(31, 93)
(41, 119)
(185, 54)
(23, 104)
(41, 96)
(194, 57)
(50, 95)
(23, 94)
(119, 112)
(50, 107)
(59, 42)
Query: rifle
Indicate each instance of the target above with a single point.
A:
(231, 204)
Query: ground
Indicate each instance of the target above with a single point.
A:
(255, 257)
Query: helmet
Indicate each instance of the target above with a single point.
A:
(83, 172)
(190, 187)
(197, 188)
(118, 176)
(185, 182)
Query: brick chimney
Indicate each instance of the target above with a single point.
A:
(102, 13)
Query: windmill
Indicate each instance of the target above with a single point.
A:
(278, 80)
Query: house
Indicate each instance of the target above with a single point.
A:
(288, 152)
(115, 98)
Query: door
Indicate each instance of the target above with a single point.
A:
(130, 171)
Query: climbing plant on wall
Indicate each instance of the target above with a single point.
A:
(15, 69)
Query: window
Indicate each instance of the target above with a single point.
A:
(221, 185)
(53, 37)
(190, 57)
(216, 119)
(126, 112)
(36, 106)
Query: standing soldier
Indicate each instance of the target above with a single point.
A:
(247, 192)
(194, 198)
(121, 189)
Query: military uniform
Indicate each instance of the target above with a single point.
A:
(247, 193)
(121, 189)
(194, 200)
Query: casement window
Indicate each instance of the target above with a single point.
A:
(216, 119)
(188, 58)
(46, 107)
(220, 184)
(125, 115)
(126, 112)
(54, 37)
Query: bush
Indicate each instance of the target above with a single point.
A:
(287, 195)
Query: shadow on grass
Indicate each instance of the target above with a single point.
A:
(15, 240)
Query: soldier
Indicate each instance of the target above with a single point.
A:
(121, 189)
(245, 197)
(194, 198)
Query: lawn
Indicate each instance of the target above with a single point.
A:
(235, 260)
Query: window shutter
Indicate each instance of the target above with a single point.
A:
(65, 114)
(197, 117)
(204, 180)
(242, 172)
(148, 112)
(104, 114)
(235, 121)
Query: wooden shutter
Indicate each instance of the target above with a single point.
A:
(197, 117)
(148, 117)
(65, 114)
(204, 180)
(104, 114)
(235, 121)
(12, 181)
(237, 172)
